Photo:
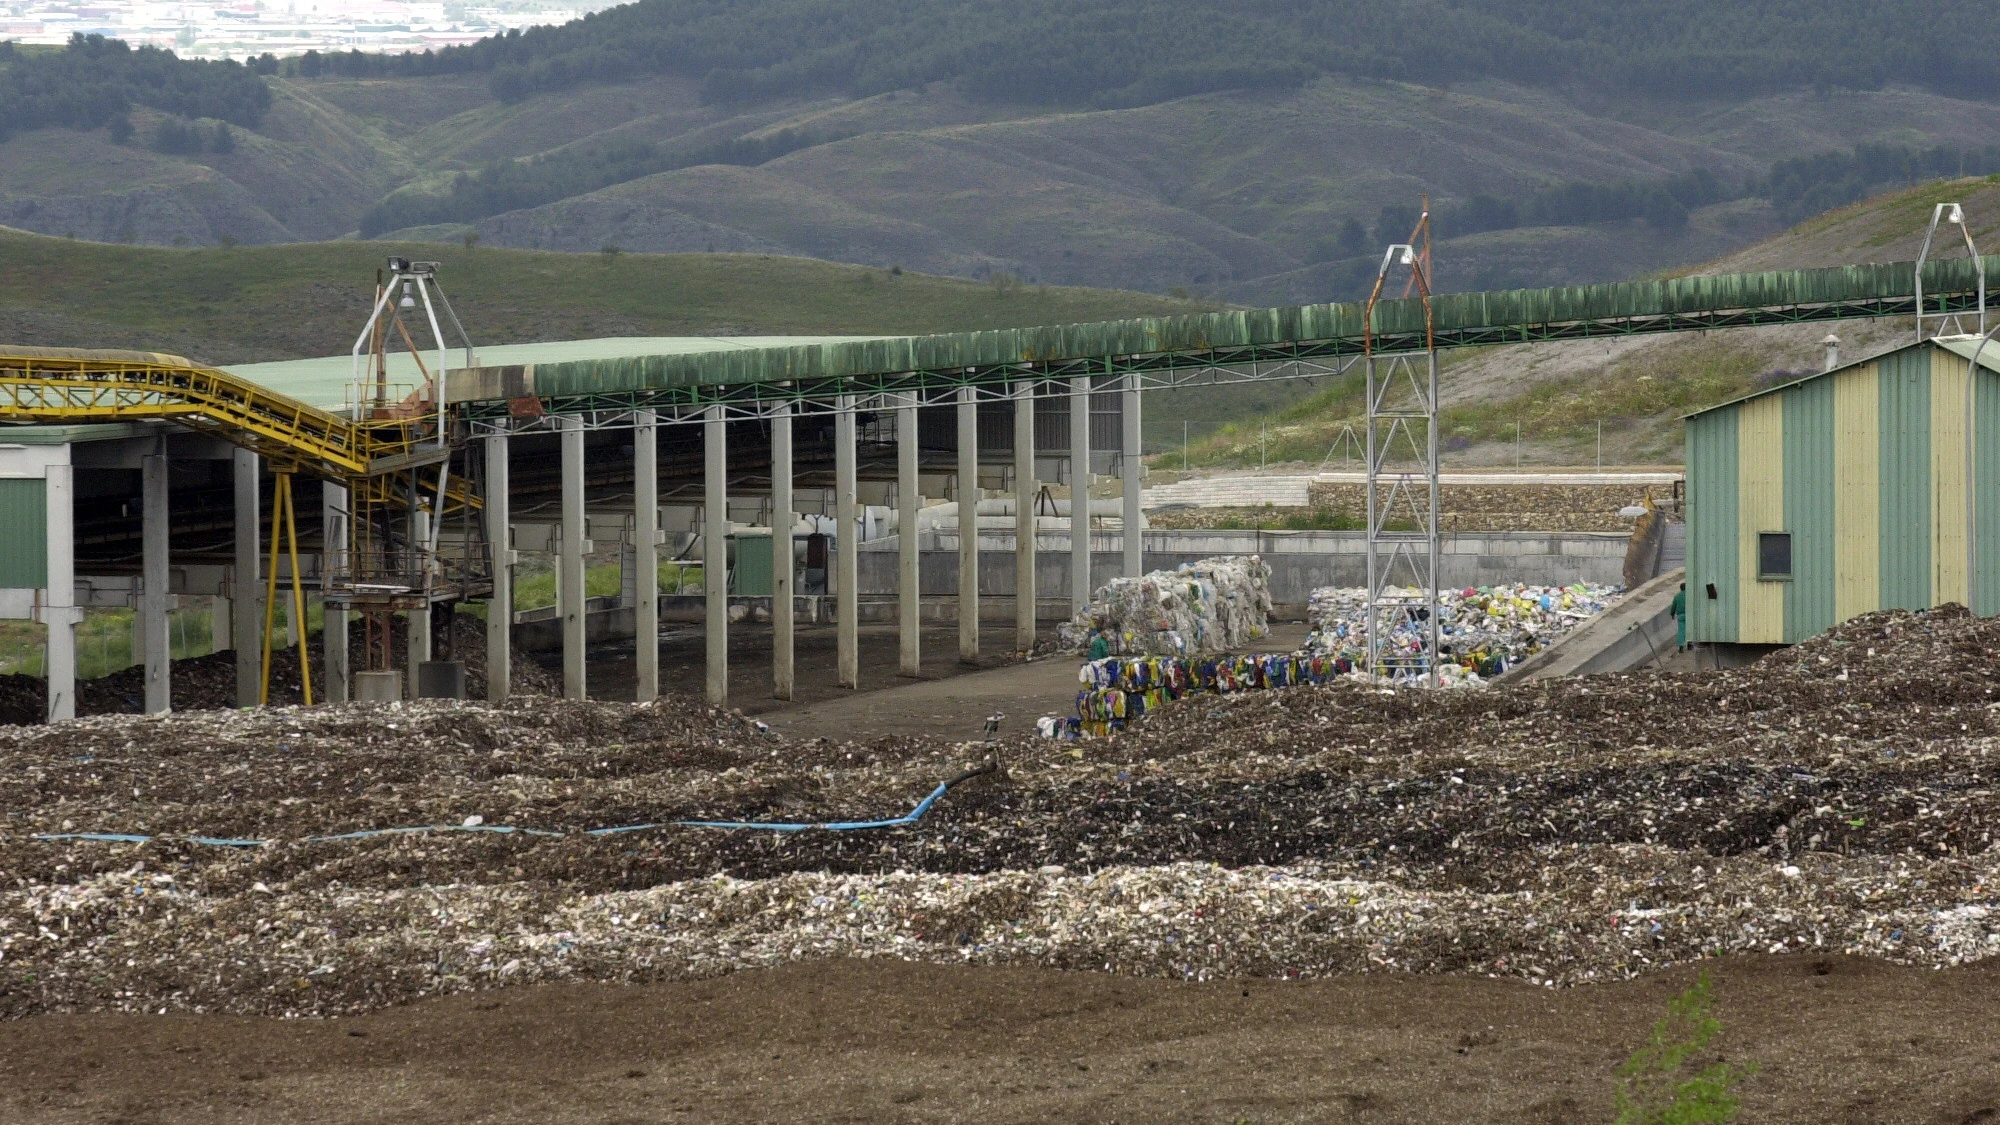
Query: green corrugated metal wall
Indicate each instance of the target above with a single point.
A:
(1809, 479)
(24, 550)
(1895, 505)
(1906, 479)
(1986, 492)
(1711, 525)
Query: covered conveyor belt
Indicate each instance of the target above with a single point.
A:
(1165, 351)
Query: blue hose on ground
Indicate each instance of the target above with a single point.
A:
(908, 818)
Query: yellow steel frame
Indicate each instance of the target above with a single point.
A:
(71, 386)
(46, 386)
(284, 526)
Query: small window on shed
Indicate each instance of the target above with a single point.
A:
(1774, 555)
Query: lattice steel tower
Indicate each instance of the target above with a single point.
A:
(1403, 545)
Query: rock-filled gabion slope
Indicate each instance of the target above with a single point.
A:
(1838, 796)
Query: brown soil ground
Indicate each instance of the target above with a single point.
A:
(684, 663)
(1835, 1041)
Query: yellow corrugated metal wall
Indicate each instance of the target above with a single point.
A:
(1760, 459)
(1950, 409)
(1857, 491)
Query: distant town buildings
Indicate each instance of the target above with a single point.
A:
(281, 27)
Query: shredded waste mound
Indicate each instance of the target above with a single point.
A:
(1837, 796)
(1217, 604)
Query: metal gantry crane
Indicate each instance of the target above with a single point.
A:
(393, 559)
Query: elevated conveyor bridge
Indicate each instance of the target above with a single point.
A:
(1163, 352)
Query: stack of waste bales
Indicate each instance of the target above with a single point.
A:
(1119, 688)
(1214, 605)
(1482, 631)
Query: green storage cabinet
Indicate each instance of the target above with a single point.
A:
(751, 576)
(24, 550)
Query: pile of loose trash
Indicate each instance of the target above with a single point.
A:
(1482, 631)
(1838, 796)
(1215, 605)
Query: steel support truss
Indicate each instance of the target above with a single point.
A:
(1403, 544)
(1949, 312)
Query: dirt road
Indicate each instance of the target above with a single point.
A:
(1835, 1040)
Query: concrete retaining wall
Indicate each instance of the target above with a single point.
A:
(1301, 561)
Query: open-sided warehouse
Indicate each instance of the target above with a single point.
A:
(1846, 492)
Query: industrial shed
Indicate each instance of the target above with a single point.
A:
(1846, 492)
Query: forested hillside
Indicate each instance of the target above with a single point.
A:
(1132, 52)
(1258, 152)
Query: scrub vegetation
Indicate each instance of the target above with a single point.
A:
(243, 304)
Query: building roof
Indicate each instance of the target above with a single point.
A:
(1962, 346)
(324, 381)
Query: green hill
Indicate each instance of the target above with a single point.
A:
(1268, 185)
(247, 303)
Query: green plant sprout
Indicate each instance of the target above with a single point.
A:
(1652, 1086)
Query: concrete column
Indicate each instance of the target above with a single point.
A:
(782, 519)
(909, 619)
(847, 568)
(220, 614)
(60, 612)
(1024, 517)
(1079, 494)
(1132, 467)
(333, 516)
(154, 581)
(569, 563)
(246, 593)
(715, 551)
(646, 553)
(417, 638)
(968, 526)
(500, 541)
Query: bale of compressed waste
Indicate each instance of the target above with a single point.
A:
(1214, 605)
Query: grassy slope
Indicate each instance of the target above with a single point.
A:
(271, 302)
(1639, 387)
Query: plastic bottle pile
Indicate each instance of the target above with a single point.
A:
(1482, 631)
(1214, 605)
(1119, 688)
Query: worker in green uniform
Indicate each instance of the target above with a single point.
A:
(1100, 645)
(1681, 618)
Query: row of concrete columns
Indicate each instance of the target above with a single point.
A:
(573, 550)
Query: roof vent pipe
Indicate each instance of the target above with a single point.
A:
(1832, 343)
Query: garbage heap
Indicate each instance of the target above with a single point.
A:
(1482, 631)
(1119, 688)
(1214, 605)
(1839, 797)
